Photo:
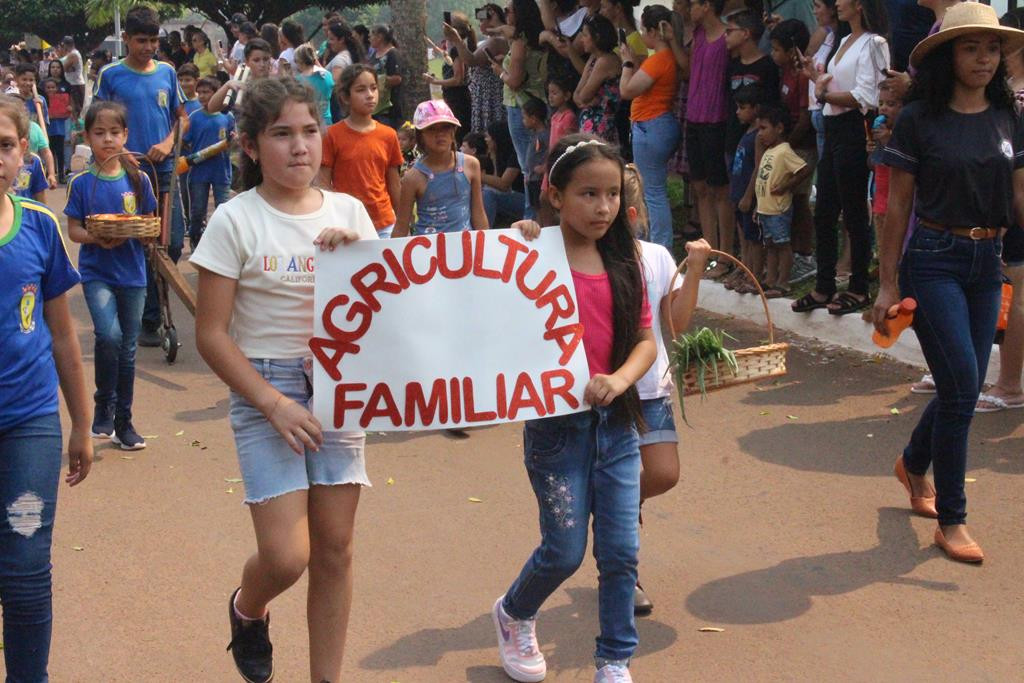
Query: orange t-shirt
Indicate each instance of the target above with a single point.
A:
(359, 164)
(660, 66)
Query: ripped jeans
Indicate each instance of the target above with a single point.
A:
(582, 465)
(29, 473)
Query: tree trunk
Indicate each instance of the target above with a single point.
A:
(409, 20)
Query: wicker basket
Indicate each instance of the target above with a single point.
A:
(752, 364)
(123, 226)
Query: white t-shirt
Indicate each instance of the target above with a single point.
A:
(859, 72)
(658, 267)
(287, 55)
(238, 51)
(73, 72)
(271, 254)
(340, 61)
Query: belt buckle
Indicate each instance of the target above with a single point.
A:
(977, 233)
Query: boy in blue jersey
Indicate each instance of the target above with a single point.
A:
(25, 78)
(31, 181)
(150, 93)
(188, 79)
(207, 128)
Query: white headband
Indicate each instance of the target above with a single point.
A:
(572, 148)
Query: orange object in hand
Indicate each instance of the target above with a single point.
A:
(900, 316)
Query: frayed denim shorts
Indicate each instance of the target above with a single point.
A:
(661, 423)
(270, 468)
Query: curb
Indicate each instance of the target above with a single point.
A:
(848, 331)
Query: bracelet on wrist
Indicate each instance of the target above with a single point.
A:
(628, 65)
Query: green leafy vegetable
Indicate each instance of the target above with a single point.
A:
(702, 351)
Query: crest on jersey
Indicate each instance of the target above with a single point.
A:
(27, 308)
(128, 202)
(161, 98)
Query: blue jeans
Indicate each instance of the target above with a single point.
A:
(581, 465)
(29, 474)
(956, 282)
(818, 123)
(654, 143)
(199, 193)
(509, 204)
(116, 319)
(151, 313)
(522, 139)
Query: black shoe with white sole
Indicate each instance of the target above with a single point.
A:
(126, 437)
(642, 605)
(250, 646)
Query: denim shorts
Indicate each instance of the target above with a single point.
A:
(776, 229)
(661, 424)
(269, 466)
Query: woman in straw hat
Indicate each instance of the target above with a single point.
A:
(959, 147)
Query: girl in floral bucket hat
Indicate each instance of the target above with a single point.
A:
(957, 159)
(444, 184)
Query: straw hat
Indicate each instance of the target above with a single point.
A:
(964, 18)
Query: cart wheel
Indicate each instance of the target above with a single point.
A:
(170, 344)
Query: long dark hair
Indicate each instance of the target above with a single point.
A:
(263, 103)
(620, 254)
(340, 30)
(842, 30)
(117, 109)
(875, 18)
(528, 23)
(936, 77)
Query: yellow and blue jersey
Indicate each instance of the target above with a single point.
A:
(34, 268)
(31, 179)
(91, 193)
(151, 99)
(205, 129)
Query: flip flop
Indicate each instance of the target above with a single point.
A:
(925, 385)
(995, 404)
(775, 293)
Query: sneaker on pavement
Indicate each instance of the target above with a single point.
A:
(102, 422)
(150, 336)
(517, 644)
(804, 268)
(127, 438)
(250, 646)
(642, 605)
(613, 673)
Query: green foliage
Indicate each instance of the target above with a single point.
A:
(51, 20)
(701, 351)
(100, 13)
(676, 191)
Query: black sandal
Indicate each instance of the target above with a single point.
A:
(808, 303)
(847, 302)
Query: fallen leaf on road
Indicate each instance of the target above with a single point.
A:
(127, 457)
(763, 412)
(390, 481)
(233, 480)
(710, 629)
(179, 432)
(77, 548)
(151, 436)
(231, 489)
(871, 436)
(894, 411)
(970, 480)
(195, 443)
(475, 500)
(792, 417)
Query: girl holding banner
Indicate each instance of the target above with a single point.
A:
(254, 318)
(588, 463)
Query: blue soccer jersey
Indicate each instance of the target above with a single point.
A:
(31, 178)
(192, 105)
(207, 129)
(34, 268)
(151, 99)
(90, 193)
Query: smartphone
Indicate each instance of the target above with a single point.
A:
(220, 44)
(622, 36)
(448, 17)
(482, 14)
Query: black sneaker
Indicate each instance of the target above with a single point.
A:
(250, 646)
(150, 336)
(102, 422)
(126, 437)
(642, 605)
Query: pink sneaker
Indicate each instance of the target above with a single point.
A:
(613, 673)
(517, 645)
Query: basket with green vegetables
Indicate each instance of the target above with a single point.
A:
(699, 361)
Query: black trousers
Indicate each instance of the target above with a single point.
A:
(843, 187)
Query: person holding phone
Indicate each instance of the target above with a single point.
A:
(454, 81)
(485, 86)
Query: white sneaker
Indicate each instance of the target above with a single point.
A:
(613, 673)
(517, 645)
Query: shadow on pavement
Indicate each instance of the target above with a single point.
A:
(573, 623)
(217, 411)
(785, 590)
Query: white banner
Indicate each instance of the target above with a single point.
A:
(445, 331)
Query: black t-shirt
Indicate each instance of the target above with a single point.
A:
(763, 73)
(963, 163)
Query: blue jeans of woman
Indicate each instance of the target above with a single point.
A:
(654, 143)
(522, 138)
(29, 474)
(818, 123)
(508, 204)
(199, 193)
(584, 465)
(956, 282)
(116, 319)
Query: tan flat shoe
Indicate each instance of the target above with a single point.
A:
(963, 553)
(921, 505)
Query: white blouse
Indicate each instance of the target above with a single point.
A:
(859, 72)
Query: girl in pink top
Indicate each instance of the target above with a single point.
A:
(563, 116)
(588, 464)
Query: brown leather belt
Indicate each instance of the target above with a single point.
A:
(976, 233)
